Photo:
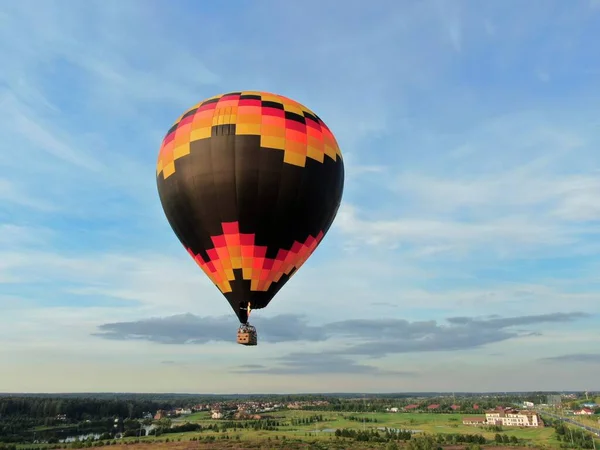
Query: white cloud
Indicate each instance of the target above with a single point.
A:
(523, 183)
(38, 135)
(504, 236)
(150, 284)
(569, 196)
(130, 66)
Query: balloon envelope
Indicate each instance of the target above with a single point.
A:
(250, 182)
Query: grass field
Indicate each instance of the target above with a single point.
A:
(592, 421)
(296, 436)
(419, 422)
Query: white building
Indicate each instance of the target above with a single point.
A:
(513, 418)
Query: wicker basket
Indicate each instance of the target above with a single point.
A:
(247, 335)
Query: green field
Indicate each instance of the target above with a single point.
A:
(418, 422)
(592, 421)
(324, 431)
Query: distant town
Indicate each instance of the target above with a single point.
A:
(239, 410)
(526, 416)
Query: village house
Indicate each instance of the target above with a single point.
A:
(300, 405)
(584, 412)
(474, 420)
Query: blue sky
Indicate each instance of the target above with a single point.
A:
(466, 247)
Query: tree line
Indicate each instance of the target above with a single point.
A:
(76, 409)
(572, 438)
(307, 420)
(365, 419)
(467, 405)
(393, 435)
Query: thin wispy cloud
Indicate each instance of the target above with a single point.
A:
(319, 364)
(586, 358)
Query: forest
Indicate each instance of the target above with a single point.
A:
(24, 419)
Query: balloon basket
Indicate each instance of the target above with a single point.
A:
(246, 335)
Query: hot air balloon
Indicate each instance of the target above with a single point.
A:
(250, 183)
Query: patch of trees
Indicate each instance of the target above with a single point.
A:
(12, 429)
(75, 409)
(299, 421)
(361, 419)
(221, 427)
(571, 438)
(267, 425)
(346, 405)
(184, 428)
(465, 402)
(43, 418)
(388, 434)
(18, 429)
(415, 442)
(458, 438)
(504, 439)
(434, 442)
(166, 428)
(370, 435)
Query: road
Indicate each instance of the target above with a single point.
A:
(591, 429)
